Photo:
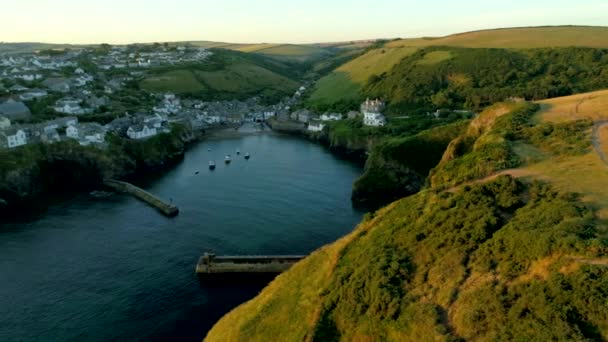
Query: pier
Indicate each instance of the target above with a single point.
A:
(245, 267)
(165, 208)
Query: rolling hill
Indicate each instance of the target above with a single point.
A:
(497, 247)
(347, 82)
(227, 75)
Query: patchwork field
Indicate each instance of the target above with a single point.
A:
(239, 79)
(345, 82)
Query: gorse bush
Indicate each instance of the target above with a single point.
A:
(497, 261)
(479, 154)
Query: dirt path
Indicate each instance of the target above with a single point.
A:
(597, 144)
(516, 173)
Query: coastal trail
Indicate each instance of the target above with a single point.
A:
(600, 130)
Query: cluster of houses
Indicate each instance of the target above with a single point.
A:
(75, 90)
(122, 57)
(138, 126)
(370, 113)
(12, 136)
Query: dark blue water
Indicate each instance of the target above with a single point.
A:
(114, 269)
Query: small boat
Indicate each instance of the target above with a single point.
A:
(238, 151)
(247, 155)
(209, 149)
(227, 160)
(212, 165)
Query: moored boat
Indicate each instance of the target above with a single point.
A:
(227, 160)
(246, 155)
(238, 151)
(212, 165)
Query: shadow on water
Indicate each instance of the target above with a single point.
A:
(194, 323)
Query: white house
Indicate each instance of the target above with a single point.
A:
(4, 122)
(372, 113)
(71, 132)
(60, 123)
(316, 126)
(141, 132)
(331, 117)
(14, 137)
(70, 106)
(92, 133)
(33, 94)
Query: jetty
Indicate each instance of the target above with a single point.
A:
(165, 208)
(247, 267)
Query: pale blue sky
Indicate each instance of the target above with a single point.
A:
(304, 21)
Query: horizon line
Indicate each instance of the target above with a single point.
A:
(313, 43)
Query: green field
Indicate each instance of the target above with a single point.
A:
(239, 79)
(244, 78)
(435, 57)
(346, 81)
(177, 81)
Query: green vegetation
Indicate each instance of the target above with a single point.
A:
(446, 74)
(398, 167)
(178, 81)
(490, 145)
(476, 78)
(345, 83)
(227, 75)
(351, 134)
(33, 171)
(496, 261)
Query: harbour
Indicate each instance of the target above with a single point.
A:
(114, 261)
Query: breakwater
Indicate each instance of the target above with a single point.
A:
(246, 267)
(165, 208)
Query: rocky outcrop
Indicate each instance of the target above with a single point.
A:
(383, 181)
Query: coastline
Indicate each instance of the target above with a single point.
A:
(37, 197)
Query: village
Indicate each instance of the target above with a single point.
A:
(71, 87)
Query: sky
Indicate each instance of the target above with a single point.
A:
(277, 21)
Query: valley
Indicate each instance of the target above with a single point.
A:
(484, 161)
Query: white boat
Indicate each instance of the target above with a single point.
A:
(212, 165)
(227, 160)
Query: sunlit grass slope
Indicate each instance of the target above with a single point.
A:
(494, 258)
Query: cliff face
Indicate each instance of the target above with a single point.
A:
(398, 167)
(494, 261)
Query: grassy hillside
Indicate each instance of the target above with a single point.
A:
(494, 258)
(499, 248)
(446, 77)
(348, 82)
(498, 261)
(518, 38)
(593, 106)
(227, 75)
